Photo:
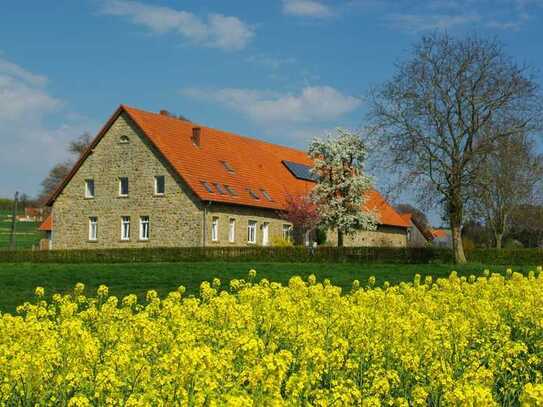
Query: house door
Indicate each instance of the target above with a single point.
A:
(265, 234)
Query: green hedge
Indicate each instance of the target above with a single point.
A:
(275, 254)
(506, 257)
(260, 254)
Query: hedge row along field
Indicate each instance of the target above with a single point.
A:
(456, 341)
(298, 254)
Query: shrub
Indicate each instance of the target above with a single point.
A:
(468, 244)
(280, 242)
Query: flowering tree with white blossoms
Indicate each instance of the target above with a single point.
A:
(342, 186)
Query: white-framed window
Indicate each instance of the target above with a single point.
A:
(125, 228)
(89, 188)
(215, 229)
(160, 185)
(265, 233)
(93, 228)
(144, 228)
(232, 230)
(287, 232)
(124, 140)
(123, 186)
(251, 231)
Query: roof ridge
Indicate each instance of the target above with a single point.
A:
(226, 132)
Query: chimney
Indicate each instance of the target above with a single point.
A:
(196, 136)
(164, 113)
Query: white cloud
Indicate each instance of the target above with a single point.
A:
(312, 104)
(29, 145)
(417, 15)
(14, 70)
(22, 93)
(216, 31)
(306, 8)
(414, 23)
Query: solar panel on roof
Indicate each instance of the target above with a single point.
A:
(300, 171)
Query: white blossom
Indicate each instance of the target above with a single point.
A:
(342, 187)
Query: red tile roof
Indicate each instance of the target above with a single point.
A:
(439, 233)
(257, 164)
(407, 217)
(47, 224)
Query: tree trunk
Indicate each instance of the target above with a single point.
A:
(455, 217)
(339, 238)
(499, 238)
(458, 248)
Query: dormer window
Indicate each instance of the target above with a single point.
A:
(253, 193)
(207, 186)
(266, 195)
(124, 140)
(219, 188)
(230, 190)
(228, 167)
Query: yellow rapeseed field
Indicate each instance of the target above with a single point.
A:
(450, 342)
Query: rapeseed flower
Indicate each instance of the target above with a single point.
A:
(458, 341)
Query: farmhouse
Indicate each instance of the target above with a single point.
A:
(154, 180)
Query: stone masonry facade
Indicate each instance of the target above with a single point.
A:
(175, 218)
(384, 236)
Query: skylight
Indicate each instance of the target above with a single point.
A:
(253, 193)
(228, 167)
(219, 188)
(230, 190)
(266, 195)
(207, 186)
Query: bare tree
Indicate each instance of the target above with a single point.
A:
(527, 225)
(57, 174)
(53, 180)
(436, 117)
(508, 179)
(78, 146)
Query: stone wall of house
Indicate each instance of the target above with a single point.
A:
(386, 236)
(416, 238)
(242, 215)
(175, 218)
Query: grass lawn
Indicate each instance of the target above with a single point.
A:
(19, 280)
(27, 233)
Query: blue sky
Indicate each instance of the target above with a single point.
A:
(280, 70)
